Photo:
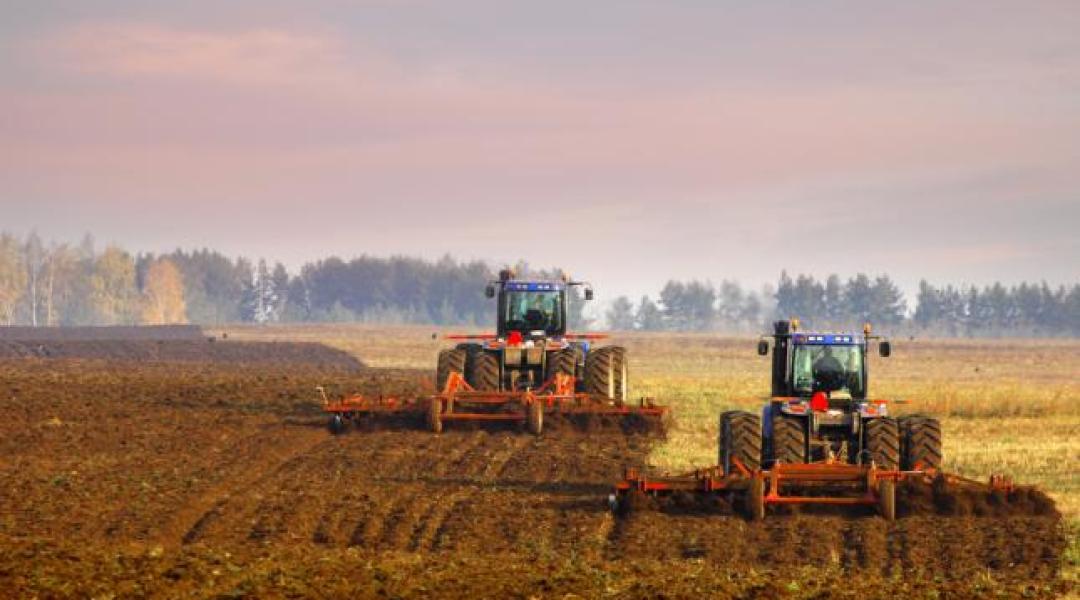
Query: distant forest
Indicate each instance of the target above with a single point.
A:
(61, 284)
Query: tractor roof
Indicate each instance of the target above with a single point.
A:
(533, 286)
(825, 339)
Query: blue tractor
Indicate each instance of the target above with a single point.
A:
(531, 364)
(820, 411)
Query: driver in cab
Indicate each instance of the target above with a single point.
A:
(828, 369)
(538, 314)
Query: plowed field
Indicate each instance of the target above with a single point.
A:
(187, 478)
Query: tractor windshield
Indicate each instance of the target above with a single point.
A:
(534, 311)
(828, 369)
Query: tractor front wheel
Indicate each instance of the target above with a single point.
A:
(600, 373)
(883, 442)
(788, 439)
(484, 372)
(921, 442)
(740, 440)
(450, 361)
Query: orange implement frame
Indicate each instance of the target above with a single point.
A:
(460, 401)
(556, 396)
(817, 483)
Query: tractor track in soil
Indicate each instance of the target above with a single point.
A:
(237, 461)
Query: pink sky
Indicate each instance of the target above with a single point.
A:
(626, 142)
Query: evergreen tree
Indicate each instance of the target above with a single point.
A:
(889, 307)
(859, 298)
(649, 317)
(928, 306)
(620, 316)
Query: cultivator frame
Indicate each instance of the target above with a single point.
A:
(459, 401)
(827, 483)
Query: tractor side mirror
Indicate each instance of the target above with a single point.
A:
(588, 293)
(489, 291)
(762, 347)
(885, 349)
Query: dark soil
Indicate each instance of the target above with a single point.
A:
(197, 350)
(195, 479)
(130, 333)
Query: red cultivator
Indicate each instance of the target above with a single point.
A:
(460, 402)
(817, 483)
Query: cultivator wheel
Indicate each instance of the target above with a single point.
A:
(535, 417)
(882, 442)
(887, 499)
(483, 373)
(337, 424)
(740, 440)
(435, 415)
(788, 440)
(450, 361)
(755, 500)
(921, 438)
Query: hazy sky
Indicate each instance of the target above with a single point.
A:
(626, 141)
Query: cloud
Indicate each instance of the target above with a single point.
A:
(140, 50)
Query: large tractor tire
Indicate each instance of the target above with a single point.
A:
(882, 442)
(450, 361)
(788, 439)
(483, 372)
(470, 348)
(600, 373)
(921, 442)
(620, 374)
(740, 439)
(563, 362)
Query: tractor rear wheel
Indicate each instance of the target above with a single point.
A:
(435, 415)
(600, 373)
(788, 439)
(535, 417)
(619, 373)
(483, 373)
(740, 439)
(921, 442)
(882, 442)
(450, 361)
(563, 362)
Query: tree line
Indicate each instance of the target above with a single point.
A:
(59, 284)
(1026, 309)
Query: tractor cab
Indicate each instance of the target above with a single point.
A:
(819, 408)
(531, 309)
(808, 363)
